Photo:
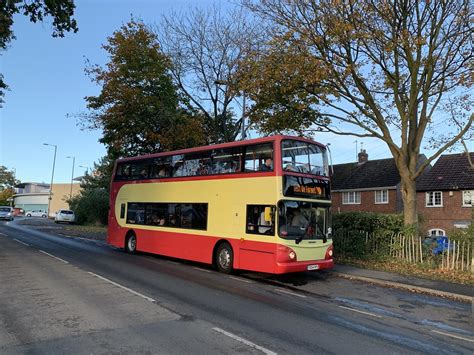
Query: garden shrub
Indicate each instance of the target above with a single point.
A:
(91, 206)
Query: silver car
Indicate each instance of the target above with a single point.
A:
(65, 216)
(36, 213)
(6, 212)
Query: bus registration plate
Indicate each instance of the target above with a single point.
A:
(313, 267)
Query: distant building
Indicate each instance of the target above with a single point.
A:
(368, 186)
(31, 196)
(445, 195)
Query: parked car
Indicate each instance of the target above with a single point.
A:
(36, 213)
(6, 212)
(65, 216)
(438, 245)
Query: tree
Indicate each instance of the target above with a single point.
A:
(37, 10)
(383, 69)
(205, 47)
(7, 184)
(139, 108)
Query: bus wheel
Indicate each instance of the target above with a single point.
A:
(224, 258)
(131, 243)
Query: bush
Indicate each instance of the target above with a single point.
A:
(91, 206)
(364, 235)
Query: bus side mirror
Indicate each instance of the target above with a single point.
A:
(268, 214)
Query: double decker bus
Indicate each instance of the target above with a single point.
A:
(259, 205)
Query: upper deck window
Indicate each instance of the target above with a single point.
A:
(304, 158)
(232, 160)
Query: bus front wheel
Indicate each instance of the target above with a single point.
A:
(131, 243)
(224, 258)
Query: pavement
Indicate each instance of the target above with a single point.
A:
(308, 282)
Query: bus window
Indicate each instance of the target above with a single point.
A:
(177, 164)
(161, 167)
(140, 170)
(226, 161)
(197, 164)
(256, 223)
(256, 155)
(123, 171)
(304, 158)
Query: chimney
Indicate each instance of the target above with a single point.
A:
(363, 157)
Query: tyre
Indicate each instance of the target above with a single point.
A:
(131, 243)
(43, 216)
(28, 215)
(224, 258)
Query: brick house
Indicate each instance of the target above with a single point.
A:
(368, 185)
(445, 195)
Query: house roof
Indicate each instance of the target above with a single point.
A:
(371, 174)
(450, 172)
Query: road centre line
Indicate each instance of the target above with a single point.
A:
(244, 341)
(55, 257)
(453, 336)
(19, 241)
(289, 293)
(240, 279)
(123, 287)
(356, 310)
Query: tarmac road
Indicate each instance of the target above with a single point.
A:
(61, 295)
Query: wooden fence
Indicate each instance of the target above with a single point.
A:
(455, 255)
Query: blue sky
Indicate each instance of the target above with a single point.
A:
(47, 82)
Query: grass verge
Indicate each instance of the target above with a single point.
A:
(415, 270)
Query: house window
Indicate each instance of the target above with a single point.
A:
(468, 198)
(434, 199)
(351, 198)
(381, 196)
(436, 232)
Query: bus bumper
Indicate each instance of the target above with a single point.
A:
(302, 266)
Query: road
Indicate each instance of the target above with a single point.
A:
(61, 295)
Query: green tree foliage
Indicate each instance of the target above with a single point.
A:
(394, 70)
(139, 108)
(61, 11)
(7, 183)
(91, 206)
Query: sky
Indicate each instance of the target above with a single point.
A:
(48, 85)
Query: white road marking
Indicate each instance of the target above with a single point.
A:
(51, 255)
(19, 241)
(244, 341)
(173, 262)
(453, 336)
(4, 234)
(289, 293)
(198, 268)
(240, 279)
(123, 287)
(356, 310)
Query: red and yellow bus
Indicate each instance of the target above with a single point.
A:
(259, 205)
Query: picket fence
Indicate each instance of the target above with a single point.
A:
(457, 255)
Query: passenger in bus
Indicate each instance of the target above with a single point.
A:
(290, 167)
(268, 165)
(264, 227)
(299, 220)
(143, 174)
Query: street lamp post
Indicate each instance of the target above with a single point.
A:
(72, 175)
(52, 175)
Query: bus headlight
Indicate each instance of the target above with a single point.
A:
(292, 255)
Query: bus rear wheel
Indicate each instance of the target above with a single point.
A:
(224, 258)
(131, 243)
